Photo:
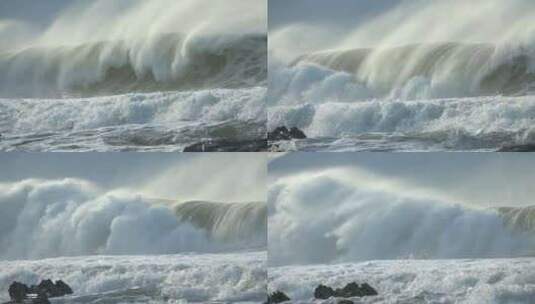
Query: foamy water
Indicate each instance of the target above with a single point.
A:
(178, 278)
(481, 281)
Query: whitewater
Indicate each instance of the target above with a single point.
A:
(113, 76)
(463, 87)
(335, 226)
(113, 246)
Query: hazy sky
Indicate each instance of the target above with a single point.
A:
(182, 176)
(333, 12)
(486, 179)
(37, 12)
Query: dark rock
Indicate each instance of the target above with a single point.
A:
(223, 145)
(283, 133)
(296, 133)
(38, 294)
(368, 290)
(344, 301)
(349, 291)
(277, 297)
(63, 288)
(18, 291)
(323, 292)
(51, 290)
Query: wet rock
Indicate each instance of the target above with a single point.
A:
(283, 133)
(368, 290)
(277, 297)
(323, 292)
(222, 145)
(63, 288)
(18, 291)
(344, 301)
(351, 290)
(38, 294)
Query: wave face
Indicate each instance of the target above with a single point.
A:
(337, 112)
(519, 219)
(106, 48)
(50, 218)
(437, 70)
(339, 216)
(227, 220)
(385, 82)
(195, 278)
(164, 62)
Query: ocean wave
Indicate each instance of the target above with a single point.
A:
(195, 278)
(340, 216)
(146, 121)
(161, 62)
(69, 217)
(435, 70)
(463, 123)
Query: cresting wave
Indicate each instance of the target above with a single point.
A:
(50, 218)
(463, 123)
(160, 62)
(227, 221)
(435, 70)
(341, 216)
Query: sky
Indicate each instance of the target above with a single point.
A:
(221, 177)
(482, 179)
(339, 13)
(37, 12)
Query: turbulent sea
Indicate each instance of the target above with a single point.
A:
(142, 77)
(336, 226)
(414, 97)
(114, 247)
(475, 281)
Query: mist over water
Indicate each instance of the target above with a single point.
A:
(408, 76)
(340, 215)
(74, 217)
(110, 47)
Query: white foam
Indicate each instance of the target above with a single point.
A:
(190, 278)
(169, 109)
(50, 218)
(483, 281)
(339, 215)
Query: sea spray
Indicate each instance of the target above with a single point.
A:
(336, 216)
(50, 218)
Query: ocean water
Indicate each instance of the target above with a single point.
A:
(139, 77)
(112, 246)
(474, 281)
(388, 83)
(174, 278)
(165, 121)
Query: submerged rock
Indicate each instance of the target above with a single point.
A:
(18, 291)
(277, 297)
(283, 133)
(38, 294)
(351, 290)
(223, 145)
(323, 292)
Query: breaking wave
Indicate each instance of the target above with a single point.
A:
(49, 218)
(435, 70)
(161, 63)
(338, 216)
